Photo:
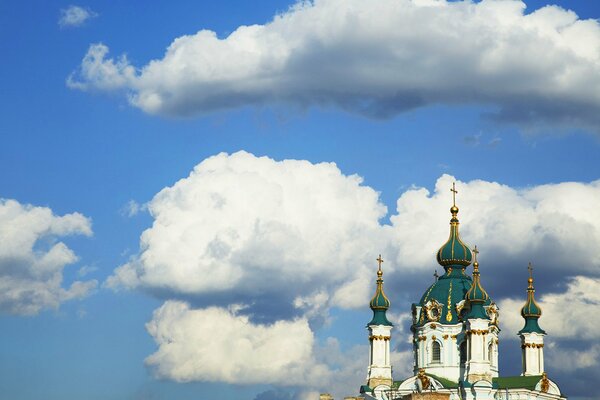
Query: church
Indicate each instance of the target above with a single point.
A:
(455, 328)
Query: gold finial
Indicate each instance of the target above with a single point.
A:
(530, 280)
(379, 261)
(454, 209)
(475, 262)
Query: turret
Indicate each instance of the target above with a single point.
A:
(478, 363)
(379, 374)
(532, 336)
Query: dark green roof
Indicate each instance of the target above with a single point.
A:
(516, 382)
(446, 383)
(365, 389)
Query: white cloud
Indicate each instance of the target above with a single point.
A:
(133, 208)
(378, 58)
(215, 344)
(218, 345)
(244, 225)
(565, 315)
(74, 16)
(32, 261)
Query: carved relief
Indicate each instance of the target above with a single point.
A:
(545, 383)
(423, 382)
(492, 312)
(433, 309)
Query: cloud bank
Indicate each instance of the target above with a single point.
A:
(32, 260)
(377, 58)
(258, 247)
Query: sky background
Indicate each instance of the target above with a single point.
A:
(202, 222)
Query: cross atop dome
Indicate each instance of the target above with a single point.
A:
(454, 253)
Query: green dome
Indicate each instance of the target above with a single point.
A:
(449, 290)
(531, 311)
(379, 303)
(454, 252)
(476, 296)
(476, 293)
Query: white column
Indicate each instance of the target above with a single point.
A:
(533, 353)
(478, 366)
(380, 370)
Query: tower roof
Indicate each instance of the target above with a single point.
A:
(379, 303)
(454, 252)
(531, 311)
(476, 295)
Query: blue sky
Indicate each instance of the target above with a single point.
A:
(518, 133)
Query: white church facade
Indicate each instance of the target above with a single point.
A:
(455, 329)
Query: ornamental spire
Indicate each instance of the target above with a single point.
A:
(531, 311)
(476, 296)
(379, 303)
(454, 253)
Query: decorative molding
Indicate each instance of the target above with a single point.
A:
(379, 337)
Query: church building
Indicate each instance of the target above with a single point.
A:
(455, 329)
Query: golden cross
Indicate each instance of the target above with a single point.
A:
(475, 251)
(379, 261)
(530, 268)
(454, 191)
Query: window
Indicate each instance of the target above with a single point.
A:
(491, 353)
(463, 352)
(435, 352)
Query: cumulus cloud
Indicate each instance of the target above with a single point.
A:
(243, 225)
(218, 345)
(215, 344)
(32, 260)
(74, 16)
(377, 58)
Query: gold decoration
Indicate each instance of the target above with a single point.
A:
(444, 337)
(545, 383)
(449, 313)
(379, 337)
(424, 379)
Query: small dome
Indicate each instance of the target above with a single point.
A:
(476, 292)
(531, 311)
(379, 303)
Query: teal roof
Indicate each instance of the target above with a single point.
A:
(454, 252)
(532, 326)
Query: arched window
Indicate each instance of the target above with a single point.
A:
(491, 353)
(436, 352)
(463, 352)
